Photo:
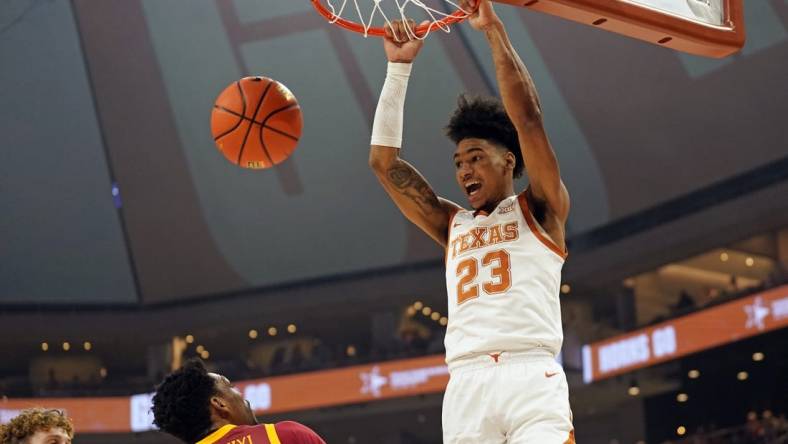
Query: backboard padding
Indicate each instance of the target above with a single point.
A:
(659, 27)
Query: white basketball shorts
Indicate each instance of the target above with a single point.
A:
(513, 398)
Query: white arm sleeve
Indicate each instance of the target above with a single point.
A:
(387, 127)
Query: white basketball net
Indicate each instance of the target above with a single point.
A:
(389, 10)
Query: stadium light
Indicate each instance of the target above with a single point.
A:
(633, 389)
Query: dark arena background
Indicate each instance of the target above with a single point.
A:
(129, 244)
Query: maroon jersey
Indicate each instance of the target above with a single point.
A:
(285, 432)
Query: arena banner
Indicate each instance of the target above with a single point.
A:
(349, 385)
(90, 415)
(712, 327)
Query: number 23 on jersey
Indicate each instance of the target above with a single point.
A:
(468, 271)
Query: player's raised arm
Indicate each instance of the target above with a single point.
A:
(521, 102)
(409, 190)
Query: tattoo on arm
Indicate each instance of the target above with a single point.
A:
(411, 185)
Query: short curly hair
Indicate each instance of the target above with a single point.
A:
(181, 402)
(30, 421)
(484, 117)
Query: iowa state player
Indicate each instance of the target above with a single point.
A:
(503, 260)
(204, 408)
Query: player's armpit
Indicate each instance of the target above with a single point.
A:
(553, 224)
(291, 432)
(413, 195)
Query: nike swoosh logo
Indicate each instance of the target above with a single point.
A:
(550, 375)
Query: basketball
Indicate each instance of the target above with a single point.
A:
(256, 122)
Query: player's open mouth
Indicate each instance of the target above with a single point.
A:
(472, 188)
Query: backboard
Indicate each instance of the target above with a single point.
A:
(712, 28)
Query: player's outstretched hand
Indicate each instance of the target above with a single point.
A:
(483, 16)
(400, 44)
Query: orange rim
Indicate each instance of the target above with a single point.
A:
(377, 31)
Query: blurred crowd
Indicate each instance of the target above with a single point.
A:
(687, 303)
(410, 335)
(767, 428)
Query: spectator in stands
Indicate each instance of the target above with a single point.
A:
(782, 425)
(753, 428)
(770, 426)
(733, 285)
(413, 336)
(52, 383)
(413, 340)
(699, 437)
(777, 276)
(278, 360)
(712, 294)
(297, 358)
(768, 430)
(436, 344)
(38, 426)
(685, 302)
(197, 406)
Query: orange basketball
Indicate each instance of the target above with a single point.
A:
(256, 122)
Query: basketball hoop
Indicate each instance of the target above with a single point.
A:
(388, 10)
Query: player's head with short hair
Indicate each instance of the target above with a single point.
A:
(38, 426)
(482, 117)
(191, 402)
(488, 152)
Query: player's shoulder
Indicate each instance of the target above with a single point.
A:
(241, 430)
(291, 432)
(231, 433)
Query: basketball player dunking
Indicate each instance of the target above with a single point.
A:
(503, 259)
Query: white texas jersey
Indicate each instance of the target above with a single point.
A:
(503, 276)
